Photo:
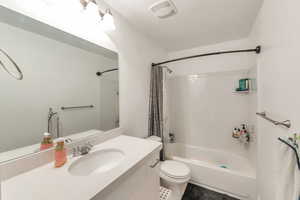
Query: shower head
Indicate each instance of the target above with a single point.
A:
(168, 69)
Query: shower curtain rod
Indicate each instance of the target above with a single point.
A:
(257, 50)
(109, 70)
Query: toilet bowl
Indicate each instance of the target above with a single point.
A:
(174, 175)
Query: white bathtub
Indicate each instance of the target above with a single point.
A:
(238, 179)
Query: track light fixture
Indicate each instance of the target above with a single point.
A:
(85, 3)
(107, 20)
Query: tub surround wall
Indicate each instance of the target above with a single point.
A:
(203, 109)
(219, 76)
(252, 118)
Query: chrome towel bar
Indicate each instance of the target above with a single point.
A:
(286, 123)
(77, 107)
(294, 149)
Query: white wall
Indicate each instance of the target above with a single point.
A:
(277, 30)
(204, 110)
(216, 63)
(136, 53)
(55, 75)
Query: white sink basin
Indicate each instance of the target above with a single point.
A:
(97, 162)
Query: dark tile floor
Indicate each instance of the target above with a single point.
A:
(194, 192)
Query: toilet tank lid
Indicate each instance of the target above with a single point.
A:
(154, 138)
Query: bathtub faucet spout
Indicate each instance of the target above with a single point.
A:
(171, 137)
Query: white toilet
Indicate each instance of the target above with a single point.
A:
(174, 175)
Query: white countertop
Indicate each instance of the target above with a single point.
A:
(49, 183)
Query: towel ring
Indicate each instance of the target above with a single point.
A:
(19, 75)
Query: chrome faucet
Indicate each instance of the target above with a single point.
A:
(51, 114)
(82, 150)
(68, 140)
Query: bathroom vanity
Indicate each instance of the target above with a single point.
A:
(120, 168)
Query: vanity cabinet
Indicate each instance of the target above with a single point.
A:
(134, 178)
(140, 183)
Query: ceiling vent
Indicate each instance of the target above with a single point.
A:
(163, 9)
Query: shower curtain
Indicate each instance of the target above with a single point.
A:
(156, 105)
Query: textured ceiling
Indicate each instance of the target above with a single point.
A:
(198, 22)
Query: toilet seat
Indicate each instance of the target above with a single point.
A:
(174, 171)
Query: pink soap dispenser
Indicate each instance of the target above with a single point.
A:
(47, 142)
(60, 153)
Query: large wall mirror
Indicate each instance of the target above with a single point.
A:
(67, 88)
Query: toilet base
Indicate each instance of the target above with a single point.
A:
(164, 193)
(177, 189)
